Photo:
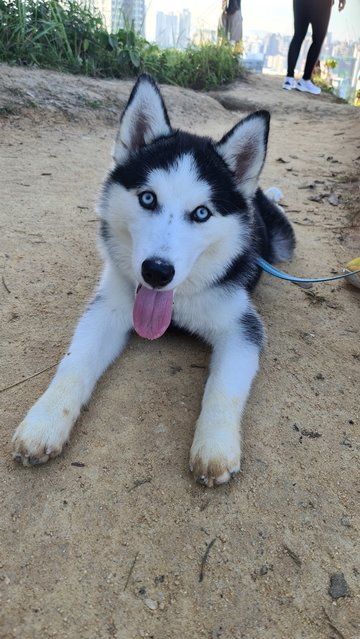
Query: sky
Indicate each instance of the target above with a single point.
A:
(275, 16)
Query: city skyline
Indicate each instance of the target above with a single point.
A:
(205, 15)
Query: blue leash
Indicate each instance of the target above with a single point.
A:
(300, 281)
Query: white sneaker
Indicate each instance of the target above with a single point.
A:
(289, 83)
(308, 86)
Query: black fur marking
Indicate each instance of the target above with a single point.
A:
(252, 328)
(105, 232)
(281, 237)
(269, 228)
(163, 153)
(243, 271)
(98, 298)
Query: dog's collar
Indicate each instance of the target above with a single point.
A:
(300, 281)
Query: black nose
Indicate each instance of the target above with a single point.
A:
(157, 273)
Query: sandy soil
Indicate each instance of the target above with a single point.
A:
(112, 538)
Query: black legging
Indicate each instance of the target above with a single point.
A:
(314, 12)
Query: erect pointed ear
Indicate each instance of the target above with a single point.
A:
(244, 150)
(144, 119)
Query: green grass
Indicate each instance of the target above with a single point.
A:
(67, 36)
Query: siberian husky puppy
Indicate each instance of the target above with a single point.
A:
(183, 222)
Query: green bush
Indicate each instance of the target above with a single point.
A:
(198, 67)
(68, 37)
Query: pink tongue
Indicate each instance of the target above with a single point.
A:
(152, 312)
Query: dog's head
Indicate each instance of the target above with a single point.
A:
(175, 208)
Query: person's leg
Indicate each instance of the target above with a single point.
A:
(301, 24)
(320, 17)
(235, 26)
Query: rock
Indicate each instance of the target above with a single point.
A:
(150, 603)
(345, 521)
(333, 199)
(316, 198)
(338, 586)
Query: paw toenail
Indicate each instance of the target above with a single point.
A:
(34, 461)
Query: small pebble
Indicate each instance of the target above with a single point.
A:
(150, 603)
(345, 521)
(333, 199)
(338, 586)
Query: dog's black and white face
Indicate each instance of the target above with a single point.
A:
(175, 208)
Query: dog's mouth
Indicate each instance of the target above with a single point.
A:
(152, 311)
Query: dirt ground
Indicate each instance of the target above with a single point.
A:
(114, 539)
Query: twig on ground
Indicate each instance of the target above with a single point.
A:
(130, 571)
(3, 276)
(139, 482)
(22, 381)
(322, 226)
(5, 285)
(293, 555)
(204, 559)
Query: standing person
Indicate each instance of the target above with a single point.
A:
(230, 24)
(317, 13)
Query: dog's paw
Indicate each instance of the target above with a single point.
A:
(37, 439)
(215, 460)
(47, 426)
(33, 443)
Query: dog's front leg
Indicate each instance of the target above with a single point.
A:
(215, 452)
(99, 337)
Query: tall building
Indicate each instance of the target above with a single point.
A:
(184, 29)
(119, 14)
(101, 6)
(128, 13)
(272, 44)
(166, 29)
(115, 15)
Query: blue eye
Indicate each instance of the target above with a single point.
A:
(148, 200)
(201, 214)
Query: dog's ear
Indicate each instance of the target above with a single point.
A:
(144, 119)
(244, 150)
